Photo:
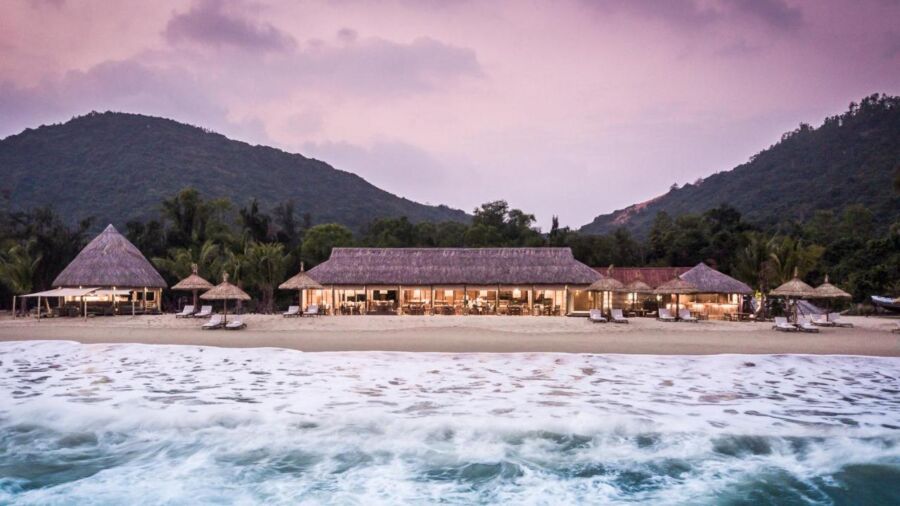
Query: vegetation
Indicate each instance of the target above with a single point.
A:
(851, 159)
(118, 167)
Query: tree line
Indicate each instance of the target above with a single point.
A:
(261, 249)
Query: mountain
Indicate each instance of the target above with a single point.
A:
(852, 158)
(117, 167)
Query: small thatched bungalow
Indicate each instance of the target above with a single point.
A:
(512, 281)
(119, 272)
(642, 280)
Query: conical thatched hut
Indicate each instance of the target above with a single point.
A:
(718, 295)
(111, 262)
(300, 282)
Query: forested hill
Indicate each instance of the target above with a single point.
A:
(117, 167)
(852, 158)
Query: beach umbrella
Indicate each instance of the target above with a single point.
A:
(193, 283)
(225, 291)
(607, 284)
(300, 281)
(676, 287)
(828, 291)
(794, 289)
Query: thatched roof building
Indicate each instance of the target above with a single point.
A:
(708, 280)
(676, 286)
(110, 260)
(453, 266)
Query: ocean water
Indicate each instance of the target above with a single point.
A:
(135, 424)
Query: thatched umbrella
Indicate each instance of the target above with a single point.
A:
(828, 291)
(676, 287)
(635, 287)
(193, 283)
(606, 284)
(225, 291)
(300, 281)
(794, 289)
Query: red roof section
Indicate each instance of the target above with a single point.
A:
(653, 276)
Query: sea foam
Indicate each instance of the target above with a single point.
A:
(113, 424)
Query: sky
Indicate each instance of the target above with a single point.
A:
(571, 108)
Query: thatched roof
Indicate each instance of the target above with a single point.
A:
(794, 288)
(225, 291)
(607, 284)
(110, 260)
(452, 266)
(708, 280)
(638, 286)
(676, 286)
(300, 281)
(828, 291)
(652, 276)
(193, 282)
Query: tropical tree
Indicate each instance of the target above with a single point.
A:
(18, 267)
(264, 267)
(321, 239)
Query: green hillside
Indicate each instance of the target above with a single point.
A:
(850, 159)
(117, 167)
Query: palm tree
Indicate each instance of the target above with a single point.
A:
(264, 266)
(17, 268)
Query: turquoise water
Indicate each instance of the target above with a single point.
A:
(132, 424)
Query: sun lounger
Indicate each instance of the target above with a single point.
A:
(781, 323)
(665, 315)
(186, 312)
(835, 318)
(822, 320)
(205, 311)
(685, 315)
(312, 310)
(235, 324)
(215, 322)
(896, 329)
(291, 312)
(596, 316)
(618, 317)
(805, 325)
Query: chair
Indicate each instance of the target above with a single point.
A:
(805, 325)
(665, 315)
(215, 322)
(822, 320)
(685, 315)
(896, 329)
(204, 312)
(781, 323)
(835, 318)
(618, 317)
(312, 310)
(235, 324)
(186, 312)
(291, 312)
(596, 316)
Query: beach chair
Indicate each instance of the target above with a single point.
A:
(835, 319)
(205, 311)
(781, 323)
(291, 312)
(235, 324)
(215, 322)
(617, 316)
(186, 312)
(685, 315)
(596, 316)
(896, 329)
(312, 310)
(665, 315)
(805, 325)
(822, 320)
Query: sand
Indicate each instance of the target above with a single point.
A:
(870, 336)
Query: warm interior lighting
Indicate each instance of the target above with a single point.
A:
(517, 293)
(482, 293)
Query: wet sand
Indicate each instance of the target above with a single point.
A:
(870, 336)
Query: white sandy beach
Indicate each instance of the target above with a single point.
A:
(870, 336)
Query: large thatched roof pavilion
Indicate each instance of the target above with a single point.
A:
(111, 262)
(718, 295)
(453, 281)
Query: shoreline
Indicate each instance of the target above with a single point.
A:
(442, 334)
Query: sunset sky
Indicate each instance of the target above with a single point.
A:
(567, 107)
